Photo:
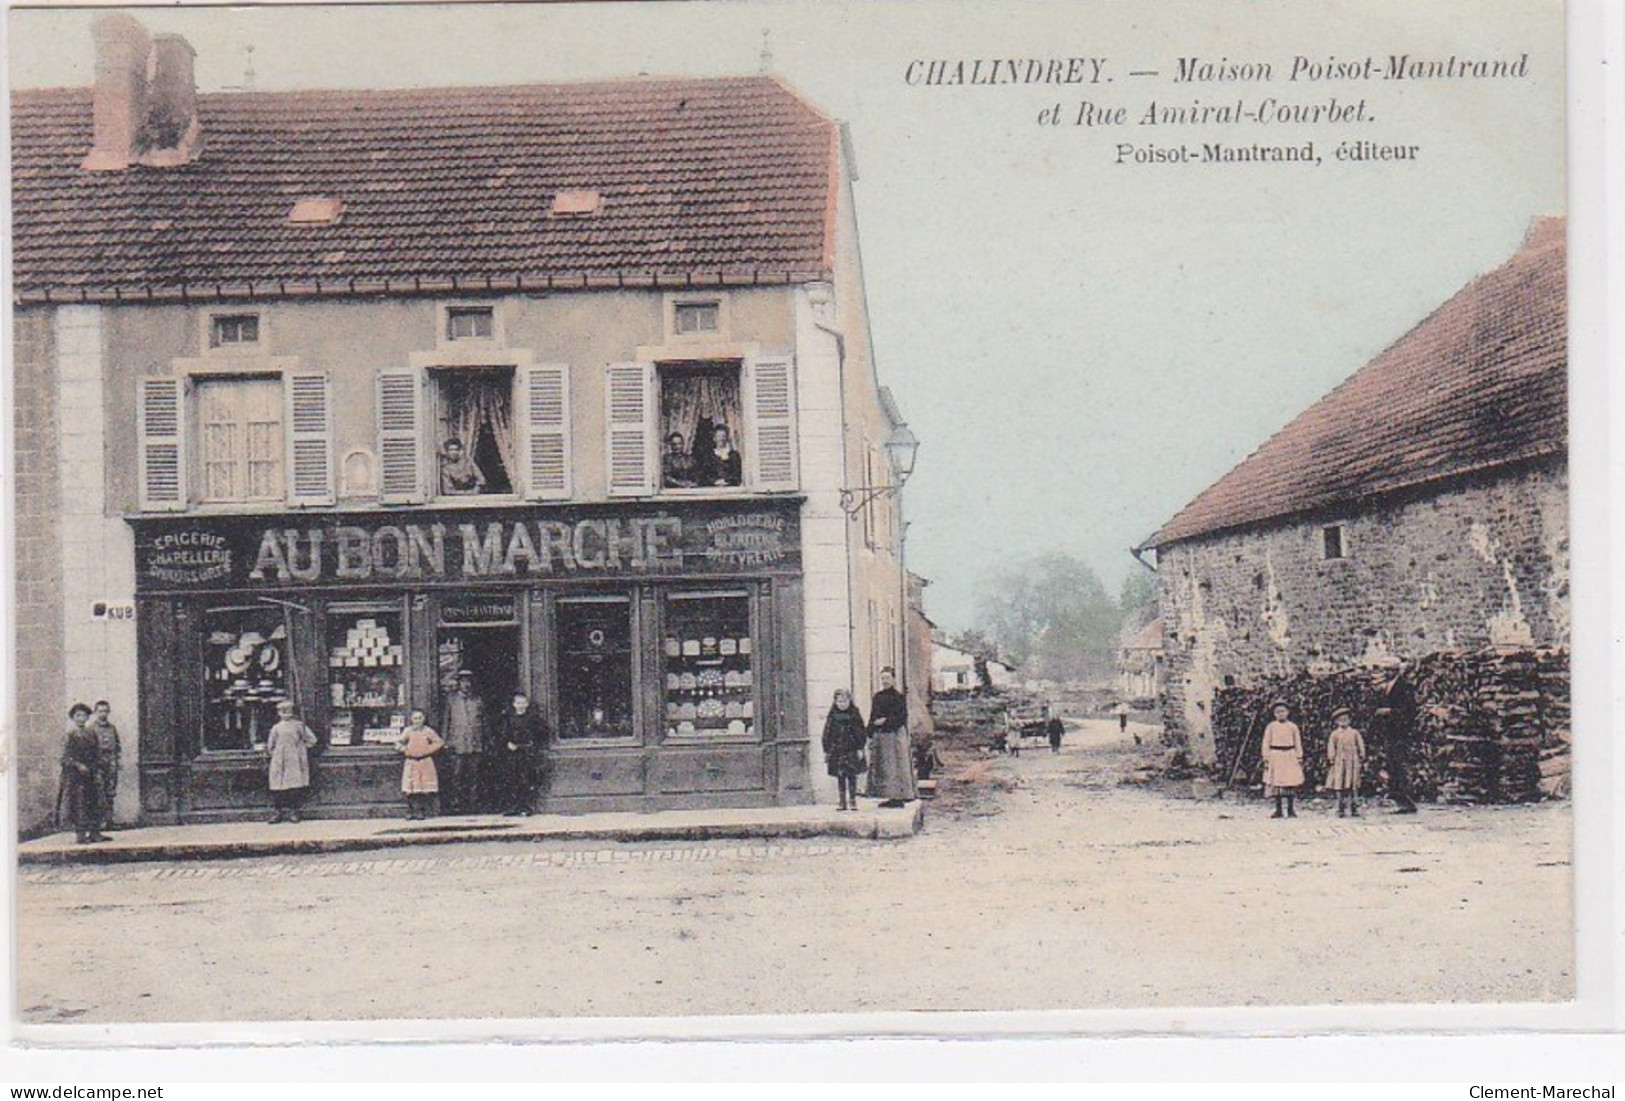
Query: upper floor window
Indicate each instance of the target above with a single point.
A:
(701, 424)
(234, 439)
(470, 323)
(234, 330)
(240, 452)
(474, 415)
(696, 317)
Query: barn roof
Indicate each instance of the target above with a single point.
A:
(1479, 384)
(640, 182)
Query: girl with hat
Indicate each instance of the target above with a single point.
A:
(1282, 750)
(1345, 752)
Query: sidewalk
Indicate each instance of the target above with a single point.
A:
(229, 840)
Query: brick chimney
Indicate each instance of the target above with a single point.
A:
(120, 106)
(171, 134)
(145, 105)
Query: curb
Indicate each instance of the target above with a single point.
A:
(891, 825)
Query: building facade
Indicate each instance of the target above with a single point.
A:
(332, 396)
(1420, 508)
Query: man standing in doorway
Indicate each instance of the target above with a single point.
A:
(107, 748)
(464, 730)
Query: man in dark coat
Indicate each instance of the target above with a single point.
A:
(463, 728)
(82, 787)
(517, 767)
(1394, 726)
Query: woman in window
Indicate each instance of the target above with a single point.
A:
(677, 465)
(459, 476)
(724, 467)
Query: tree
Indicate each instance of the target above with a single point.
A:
(1051, 616)
(1139, 592)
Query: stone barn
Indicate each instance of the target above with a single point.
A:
(1419, 508)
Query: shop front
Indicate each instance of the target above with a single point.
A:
(662, 644)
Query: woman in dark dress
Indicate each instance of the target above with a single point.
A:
(723, 465)
(82, 777)
(523, 736)
(891, 763)
(844, 738)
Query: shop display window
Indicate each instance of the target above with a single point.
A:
(709, 664)
(245, 670)
(366, 666)
(595, 668)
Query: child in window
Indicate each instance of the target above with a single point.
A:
(420, 783)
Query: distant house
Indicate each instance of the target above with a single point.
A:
(1420, 507)
(954, 670)
(1139, 659)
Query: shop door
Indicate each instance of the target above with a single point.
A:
(491, 653)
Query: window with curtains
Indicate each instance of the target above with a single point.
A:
(701, 425)
(474, 431)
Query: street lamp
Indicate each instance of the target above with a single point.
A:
(901, 449)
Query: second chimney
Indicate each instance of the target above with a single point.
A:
(120, 105)
(171, 133)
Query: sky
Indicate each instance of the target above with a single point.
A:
(1081, 345)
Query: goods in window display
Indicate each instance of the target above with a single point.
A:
(708, 679)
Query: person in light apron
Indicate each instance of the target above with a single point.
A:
(1282, 750)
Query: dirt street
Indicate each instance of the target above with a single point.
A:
(1040, 882)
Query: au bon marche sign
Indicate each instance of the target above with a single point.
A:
(462, 546)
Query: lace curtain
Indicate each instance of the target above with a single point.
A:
(478, 409)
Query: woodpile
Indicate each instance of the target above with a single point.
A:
(1491, 726)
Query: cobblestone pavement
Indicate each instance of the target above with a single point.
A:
(1056, 886)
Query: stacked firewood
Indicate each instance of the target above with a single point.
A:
(1489, 726)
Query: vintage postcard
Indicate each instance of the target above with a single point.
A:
(676, 519)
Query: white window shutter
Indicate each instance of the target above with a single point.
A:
(310, 440)
(629, 401)
(545, 402)
(771, 448)
(161, 428)
(400, 437)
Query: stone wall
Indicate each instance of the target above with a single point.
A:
(41, 703)
(1484, 562)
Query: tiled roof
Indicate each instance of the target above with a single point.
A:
(709, 181)
(1479, 384)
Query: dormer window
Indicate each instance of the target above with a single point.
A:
(689, 318)
(234, 330)
(470, 323)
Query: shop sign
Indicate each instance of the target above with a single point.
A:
(460, 547)
(479, 611)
